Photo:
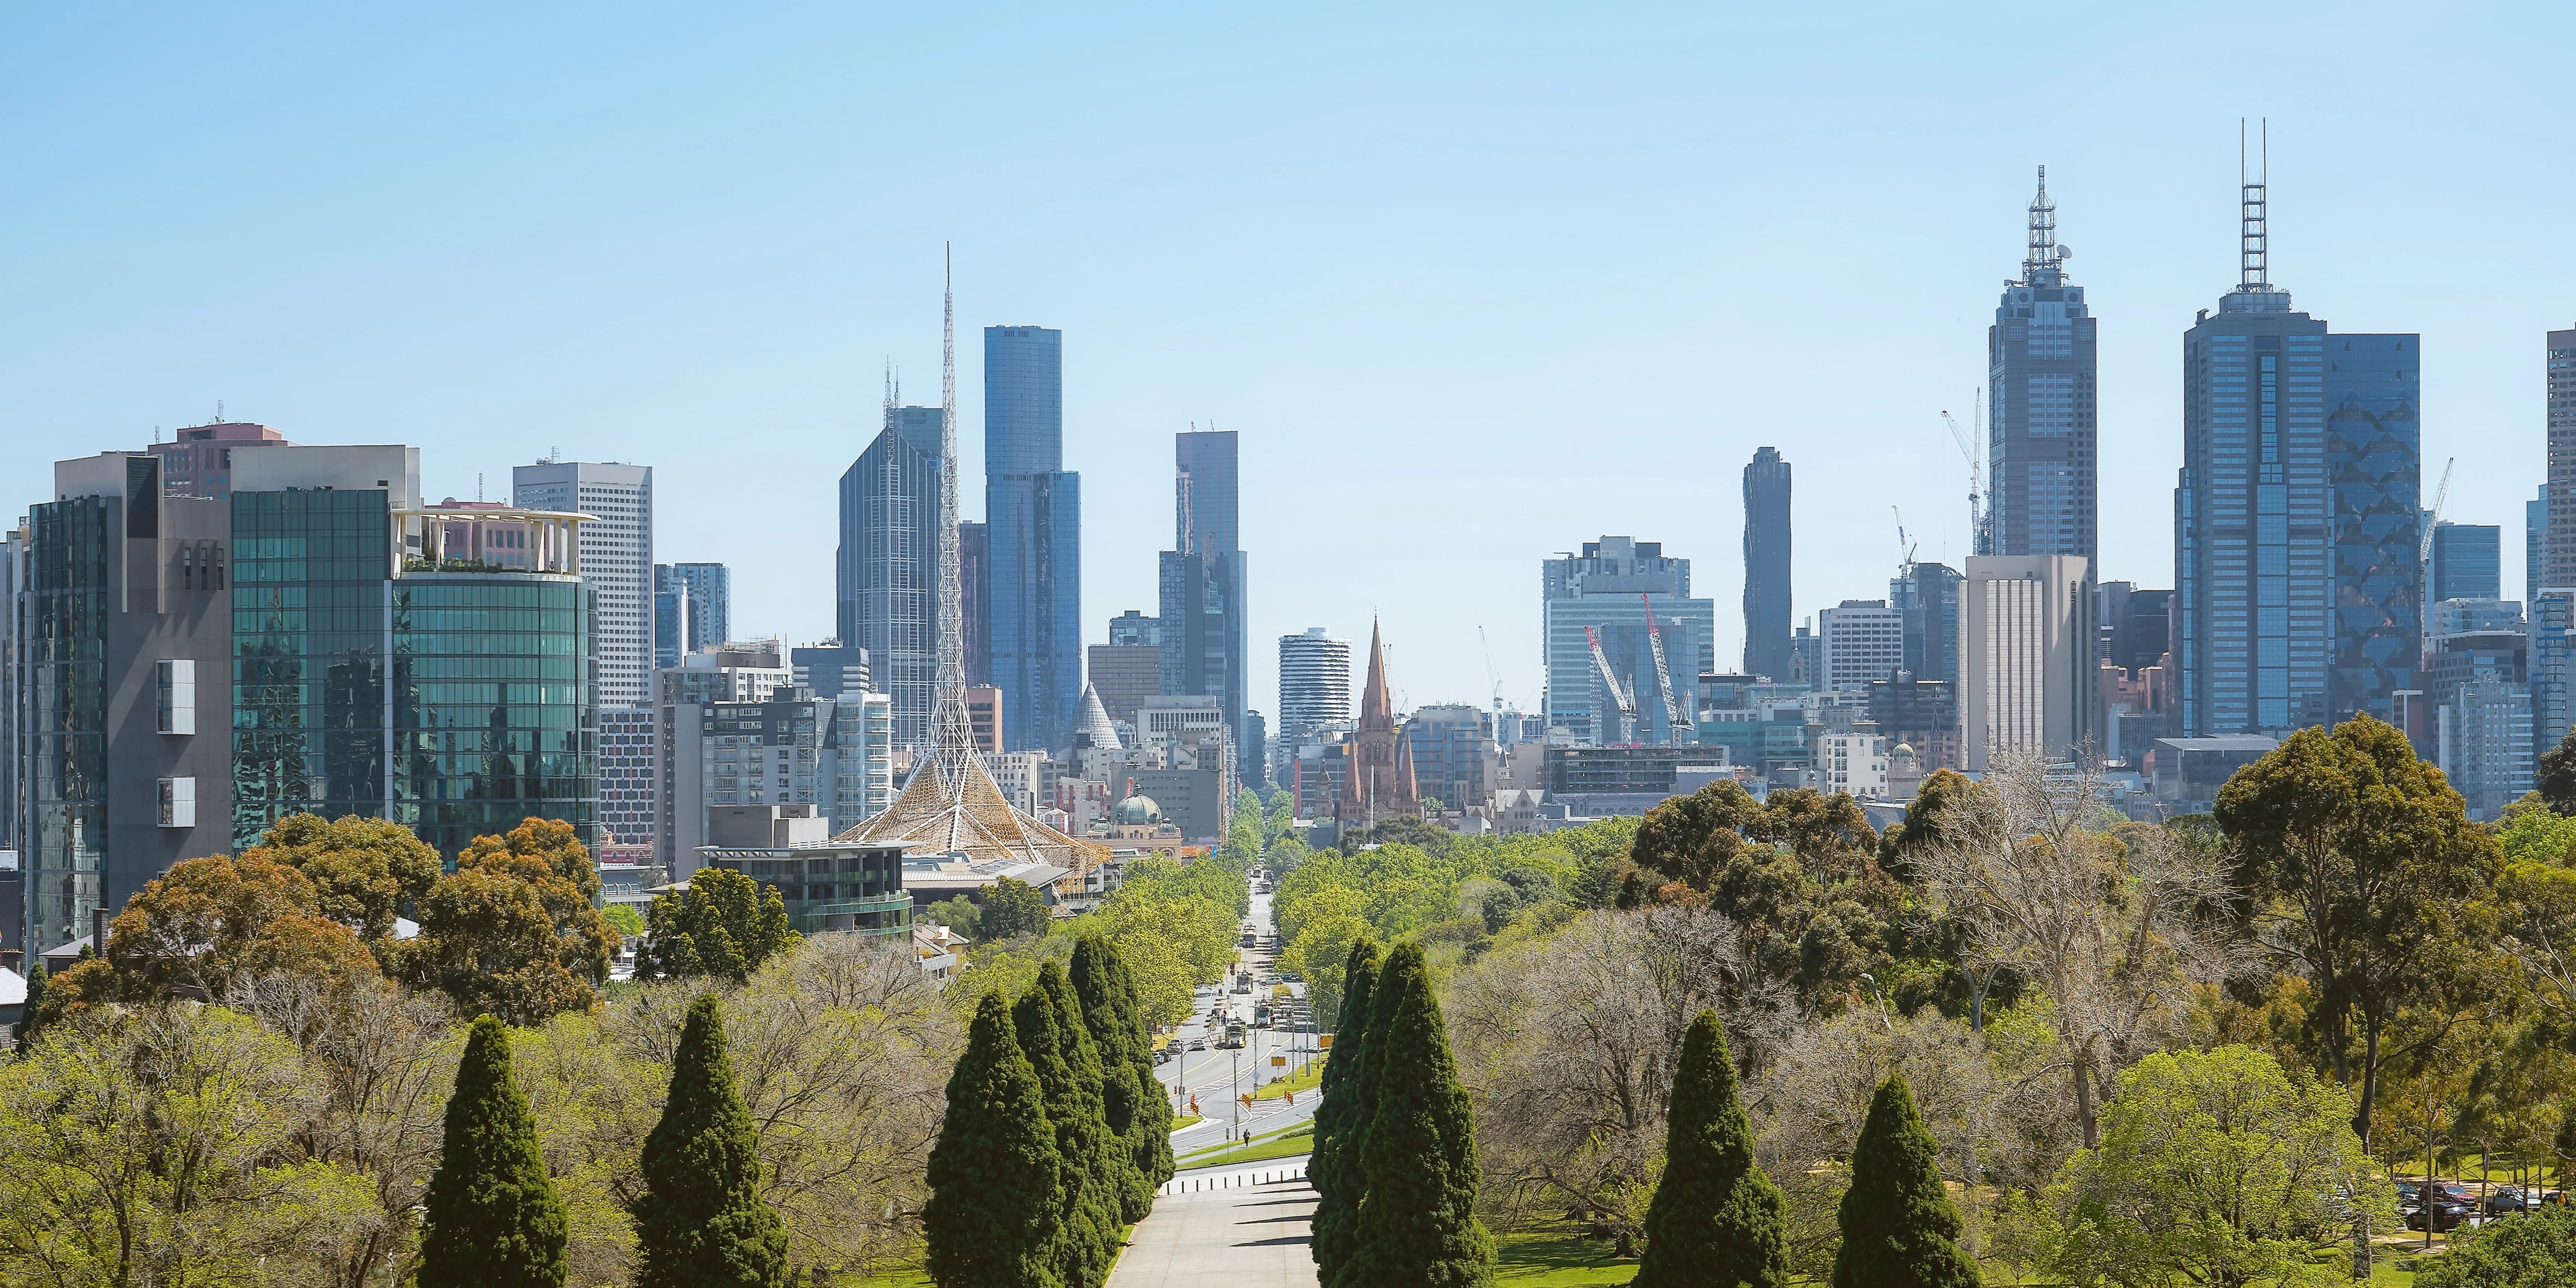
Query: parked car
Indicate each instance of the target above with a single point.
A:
(2444, 1212)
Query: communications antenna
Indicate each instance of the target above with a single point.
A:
(2253, 238)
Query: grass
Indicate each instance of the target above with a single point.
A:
(1554, 1259)
(1284, 1143)
(1180, 1121)
(1304, 1079)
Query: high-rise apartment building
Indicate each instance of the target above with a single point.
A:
(1314, 683)
(1926, 595)
(1611, 591)
(672, 628)
(626, 761)
(974, 554)
(2041, 426)
(2468, 561)
(616, 559)
(2558, 546)
(1033, 505)
(1454, 757)
(1127, 672)
(2535, 543)
(1864, 641)
(886, 575)
(1768, 616)
(2030, 681)
(831, 669)
(2295, 514)
(189, 670)
(710, 588)
(1203, 614)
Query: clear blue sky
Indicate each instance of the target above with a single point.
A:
(1475, 284)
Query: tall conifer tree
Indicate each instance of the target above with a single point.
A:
(701, 1222)
(1417, 1225)
(996, 1184)
(1132, 1097)
(1899, 1229)
(1332, 1168)
(491, 1216)
(39, 983)
(1716, 1221)
(1087, 1235)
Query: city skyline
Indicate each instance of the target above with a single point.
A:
(1169, 326)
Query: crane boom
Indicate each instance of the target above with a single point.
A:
(1619, 694)
(1674, 722)
(1980, 539)
(2433, 517)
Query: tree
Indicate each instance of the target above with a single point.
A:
(2556, 781)
(723, 926)
(1331, 1169)
(956, 912)
(701, 1220)
(2215, 1168)
(1012, 908)
(1046, 1022)
(996, 1183)
(1133, 1101)
(550, 842)
(1417, 1226)
(491, 1217)
(549, 857)
(491, 941)
(2357, 864)
(1716, 1220)
(1898, 1228)
(31, 1013)
(2537, 1250)
(195, 929)
(366, 870)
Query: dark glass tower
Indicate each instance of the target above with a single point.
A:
(1767, 611)
(1202, 613)
(886, 578)
(2040, 373)
(1033, 509)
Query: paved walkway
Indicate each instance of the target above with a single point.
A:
(1249, 1236)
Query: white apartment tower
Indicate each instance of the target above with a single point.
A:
(1314, 683)
(616, 560)
(1864, 641)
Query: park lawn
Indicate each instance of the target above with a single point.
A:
(1285, 1143)
(1305, 1079)
(1555, 1259)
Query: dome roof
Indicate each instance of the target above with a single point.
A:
(1136, 811)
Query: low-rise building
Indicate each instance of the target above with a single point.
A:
(826, 884)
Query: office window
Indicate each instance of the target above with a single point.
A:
(178, 802)
(175, 680)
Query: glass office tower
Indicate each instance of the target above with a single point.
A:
(2041, 428)
(309, 582)
(886, 578)
(1032, 591)
(1768, 612)
(1202, 580)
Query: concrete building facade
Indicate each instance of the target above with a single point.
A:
(2030, 680)
(616, 559)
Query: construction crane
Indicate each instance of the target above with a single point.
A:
(1904, 547)
(1674, 720)
(1489, 671)
(2424, 553)
(1619, 693)
(1981, 531)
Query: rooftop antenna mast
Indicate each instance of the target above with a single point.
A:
(2253, 241)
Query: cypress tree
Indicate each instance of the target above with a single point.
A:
(701, 1222)
(39, 983)
(1417, 1225)
(996, 1185)
(1129, 1090)
(1716, 1220)
(1899, 1229)
(491, 1216)
(1337, 1119)
(1087, 1235)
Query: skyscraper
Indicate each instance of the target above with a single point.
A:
(2535, 543)
(1033, 507)
(2040, 433)
(1768, 618)
(616, 559)
(1202, 579)
(886, 577)
(974, 552)
(710, 588)
(2294, 512)
(2558, 547)
(2030, 681)
(1611, 591)
(1314, 683)
(2467, 561)
(1927, 594)
(1127, 672)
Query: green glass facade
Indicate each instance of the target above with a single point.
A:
(830, 887)
(65, 679)
(490, 716)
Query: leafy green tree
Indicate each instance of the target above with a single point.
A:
(2361, 862)
(550, 842)
(622, 918)
(491, 1218)
(1417, 1226)
(2215, 1168)
(1012, 908)
(2556, 781)
(1047, 1023)
(507, 941)
(701, 1222)
(1133, 1103)
(2533, 1251)
(996, 1182)
(958, 913)
(1716, 1220)
(367, 871)
(1331, 1169)
(1898, 1227)
(724, 926)
(31, 1015)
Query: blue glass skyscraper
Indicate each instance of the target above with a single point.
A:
(1202, 601)
(2040, 378)
(2295, 525)
(886, 577)
(1033, 512)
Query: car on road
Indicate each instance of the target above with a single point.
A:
(2444, 1214)
(1198, 1044)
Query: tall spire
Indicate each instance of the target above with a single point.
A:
(2045, 255)
(952, 732)
(2253, 240)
